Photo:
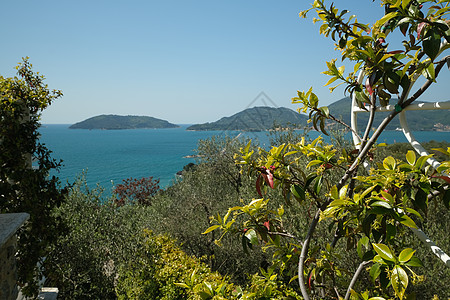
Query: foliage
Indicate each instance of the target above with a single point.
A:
(25, 165)
(138, 191)
(370, 212)
(163, 271)
(98, 238)
(204, 190)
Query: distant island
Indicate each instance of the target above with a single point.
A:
(424, 120)
(256, 119)
(115, 122)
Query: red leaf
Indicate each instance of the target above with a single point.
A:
(258, 185)
(269, 178)
(420, 28)
(369, 87)
(446, 178)
(310, 280)
(395, 52)
(267, 225)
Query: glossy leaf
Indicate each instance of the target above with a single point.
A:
(407, 221)
(411, 157)
(298, 191)
(384, 252)
(375, 271)
(406, 255)
(212, 228)
(399, 281)
(432, 44)
(251, 236)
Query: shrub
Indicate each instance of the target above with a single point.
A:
(138, 191)
(162, 270)
(97, 239)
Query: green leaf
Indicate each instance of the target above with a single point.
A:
(411, 157)
(399, 281)
(407, 221)
(318, 185)
(375, 271)
(429, 72)
(183, 285)
(406, 255)
(431, 44)
(214, 227)
(298, 191)
(251, 236)
(384, 252)
(313, 163)
(389, 163)
(385, 19)
(382, 204)
(414, 262)
(325, 111)
(334, 192)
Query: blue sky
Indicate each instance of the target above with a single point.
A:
(182, 61)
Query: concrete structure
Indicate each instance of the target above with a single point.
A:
(9, 224)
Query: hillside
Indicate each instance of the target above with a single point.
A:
(113, 122)
(425, 120)
(256, 119)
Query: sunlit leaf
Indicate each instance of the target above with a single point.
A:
(406, 255)
(384, 252)
(411, 157)
(212, 228)
(399, 281)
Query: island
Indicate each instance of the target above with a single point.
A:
(115, 122)
(423, 120)
(257, 119)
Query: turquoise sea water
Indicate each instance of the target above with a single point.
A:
(113, 155)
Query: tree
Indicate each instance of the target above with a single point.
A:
(25, 166)
(368, 212)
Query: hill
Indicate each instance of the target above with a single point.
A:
(113, 122)
(256, 119)
(425, 120)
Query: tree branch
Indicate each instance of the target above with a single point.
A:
(355, 277)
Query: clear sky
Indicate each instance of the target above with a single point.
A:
(182, 61)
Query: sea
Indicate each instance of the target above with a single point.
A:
(106, 157)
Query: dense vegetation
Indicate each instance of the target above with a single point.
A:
(24, 167)
(300, 220)
(417, 120)
(256, 119)
(112, 122)
(107, 251)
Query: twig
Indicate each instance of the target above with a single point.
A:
(284, 234)
(355, 277)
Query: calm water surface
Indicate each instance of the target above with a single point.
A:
(113, 155)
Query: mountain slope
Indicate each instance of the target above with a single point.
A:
(425, 120)
(112, 122)
(256, 119)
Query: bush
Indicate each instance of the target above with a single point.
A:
(97, 239)
(139, 191)
(162, 270)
